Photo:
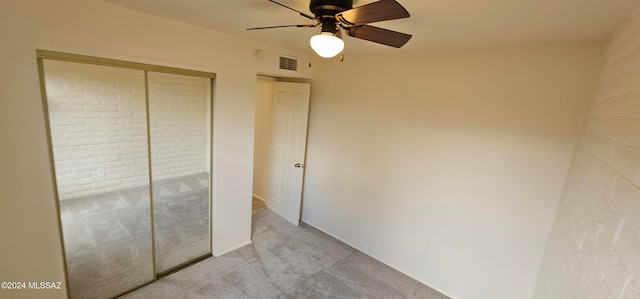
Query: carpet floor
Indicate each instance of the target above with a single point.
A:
(107, 237)
(285, 261)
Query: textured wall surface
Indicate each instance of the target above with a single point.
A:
(98, 127)
(98, 120)
(593, 250)
(178, 122)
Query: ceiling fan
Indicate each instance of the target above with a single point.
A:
(336, 15)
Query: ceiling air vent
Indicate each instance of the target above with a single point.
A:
(287, 63)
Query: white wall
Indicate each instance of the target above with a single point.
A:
(98, 120)
(178, 118)
(97, 116)
(262, 144)
(454, 160)
(594, 248)
(30, 249)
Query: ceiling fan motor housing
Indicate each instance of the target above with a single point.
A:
(329, 8)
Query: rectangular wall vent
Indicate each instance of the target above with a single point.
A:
(287, 63)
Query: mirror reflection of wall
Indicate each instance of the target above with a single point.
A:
(178, 118)
(113, 131)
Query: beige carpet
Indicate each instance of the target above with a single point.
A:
(286, 261)
(107, 237)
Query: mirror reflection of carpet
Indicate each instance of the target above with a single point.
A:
(109, 235)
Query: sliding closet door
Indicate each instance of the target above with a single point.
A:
(98, 126)
(179, 122)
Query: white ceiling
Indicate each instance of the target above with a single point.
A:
(435, 24)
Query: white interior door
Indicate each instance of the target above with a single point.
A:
(288, 144)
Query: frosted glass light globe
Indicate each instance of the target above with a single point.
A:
(326, 44)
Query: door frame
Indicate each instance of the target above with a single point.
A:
(42, 55)
(270, 170)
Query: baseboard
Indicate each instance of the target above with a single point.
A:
(259, 197)
(221, 253)
(373, 257)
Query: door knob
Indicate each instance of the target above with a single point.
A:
(298, 165)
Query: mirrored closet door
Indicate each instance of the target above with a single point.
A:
(178, 121)
(131, 152)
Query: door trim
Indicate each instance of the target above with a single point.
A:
(46, 54)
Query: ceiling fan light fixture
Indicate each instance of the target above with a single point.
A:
(326, 44)
(338, 15)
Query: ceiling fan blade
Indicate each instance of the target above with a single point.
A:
(299, 12)
(382, 10)
(283, 26)
(379, 35)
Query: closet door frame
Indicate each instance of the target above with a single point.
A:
(146, 68)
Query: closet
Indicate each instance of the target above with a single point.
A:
(131, 156)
